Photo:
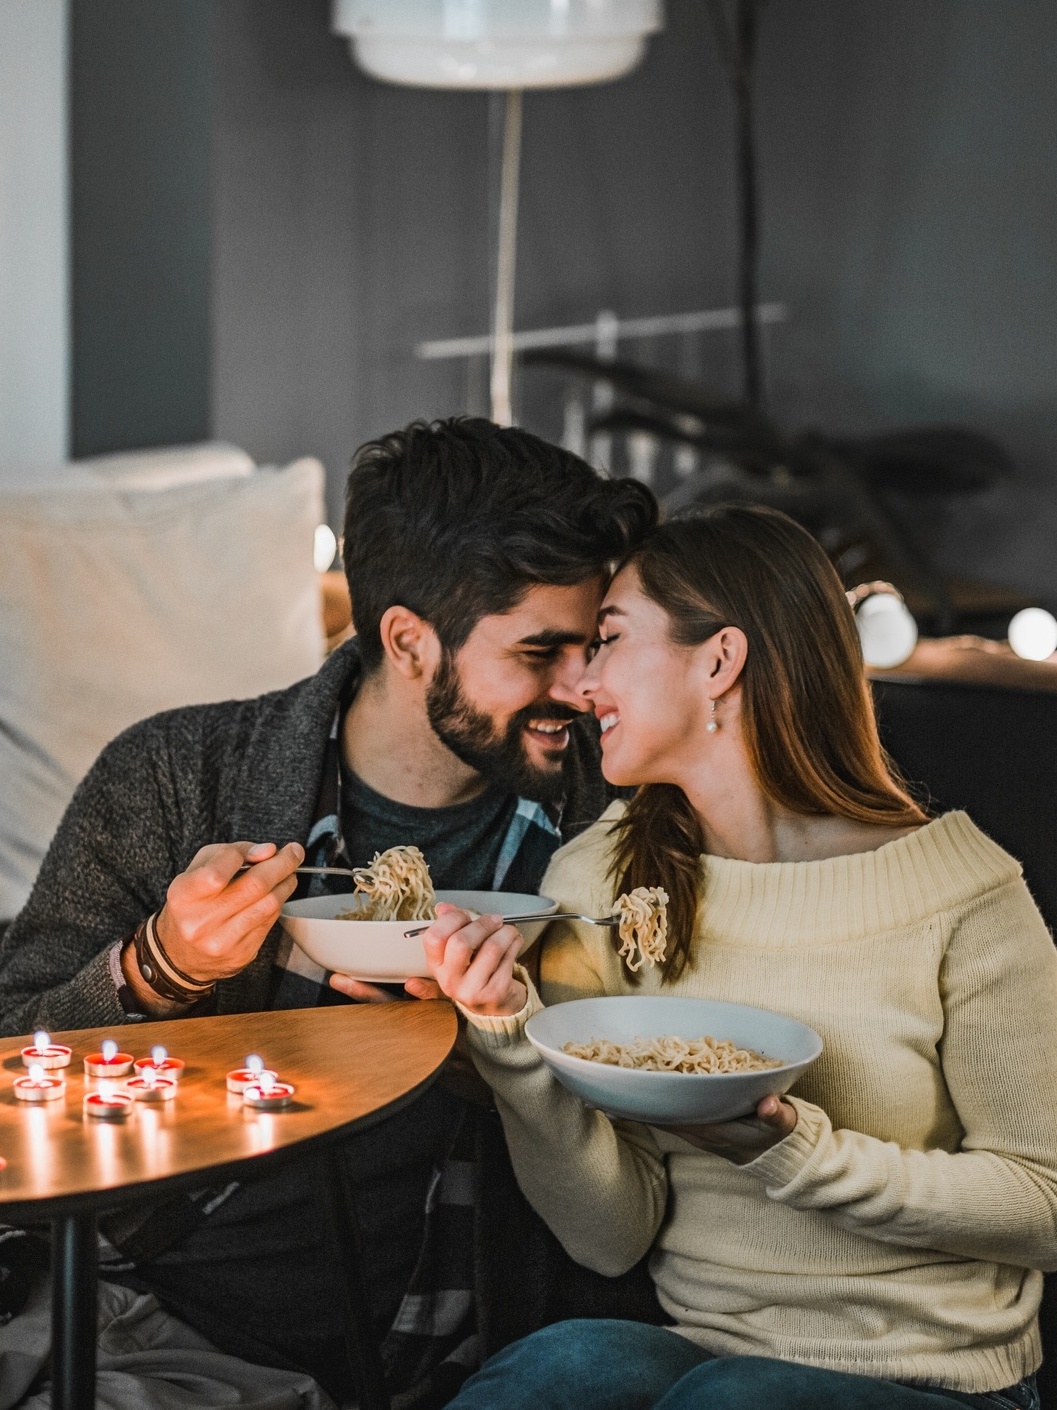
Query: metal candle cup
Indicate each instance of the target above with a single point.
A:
(249, 1076)
(46, 1054)
(269, 1095)
(38, 1087)
(106, 1106)
(171, 1068)
(108, 1062)
(149, 1087)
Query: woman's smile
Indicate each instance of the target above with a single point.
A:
(608, 721)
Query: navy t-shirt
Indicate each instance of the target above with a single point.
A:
(460, 843)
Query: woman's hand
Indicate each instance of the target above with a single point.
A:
(742, 1141)
(473, 961)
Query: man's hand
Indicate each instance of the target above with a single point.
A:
(366, 993)
(473, 961)
(215, 918)
(742, 1141)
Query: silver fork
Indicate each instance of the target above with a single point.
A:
(555, 915)
(312, 871)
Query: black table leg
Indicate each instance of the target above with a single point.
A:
(74, 1315)
(362, 1349)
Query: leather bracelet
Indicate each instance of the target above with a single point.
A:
(158, 970)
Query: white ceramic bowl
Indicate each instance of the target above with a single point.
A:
(378, 950)
(671, 1098)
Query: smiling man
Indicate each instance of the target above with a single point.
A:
(476, 557)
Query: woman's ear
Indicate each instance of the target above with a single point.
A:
(728, 652)
(410, 643)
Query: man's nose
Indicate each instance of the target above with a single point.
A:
(568, 684)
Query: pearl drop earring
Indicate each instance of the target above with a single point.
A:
(713, 723)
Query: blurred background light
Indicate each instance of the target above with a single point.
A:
(887, 629)
(324, 548)
(1033, 634)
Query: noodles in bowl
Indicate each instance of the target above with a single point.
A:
(596, 1048)
(701, 1055)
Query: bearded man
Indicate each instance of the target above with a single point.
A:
(476, 558)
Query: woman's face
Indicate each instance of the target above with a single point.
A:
(651, 696)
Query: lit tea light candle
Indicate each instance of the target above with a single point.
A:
(162, 1063)
(106, 1104)
(250, 1075)
(38, 1086)
(44, 1053)
(269, 1094)
(108, 1062)
(149, 1086)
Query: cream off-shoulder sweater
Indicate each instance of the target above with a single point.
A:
(899, 1231)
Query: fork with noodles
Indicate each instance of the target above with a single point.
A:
(642, 921)
(640, 917)
(396, 886)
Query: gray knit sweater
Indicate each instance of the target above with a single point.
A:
(243, 769)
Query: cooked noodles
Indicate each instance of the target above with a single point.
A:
(396, 886)
(643, 926)
(698, 1055)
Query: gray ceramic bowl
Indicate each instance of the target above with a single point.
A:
(671, 1098)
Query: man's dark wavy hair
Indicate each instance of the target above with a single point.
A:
(457, 519)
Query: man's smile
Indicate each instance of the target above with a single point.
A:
(554, 734)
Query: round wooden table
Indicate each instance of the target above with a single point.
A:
(351, 1065)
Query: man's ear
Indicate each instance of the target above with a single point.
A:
(410, 643)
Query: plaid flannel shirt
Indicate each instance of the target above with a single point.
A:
(433, 1342)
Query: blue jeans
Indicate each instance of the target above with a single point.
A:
(614, 1365)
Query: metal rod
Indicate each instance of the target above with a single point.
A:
(364, 1358)
(506, 264)
(74, 1315)
(707, 320)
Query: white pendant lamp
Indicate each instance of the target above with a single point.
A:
(497, 43)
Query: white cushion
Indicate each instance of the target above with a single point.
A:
(174, 465)
(161, 469)
(116, 603)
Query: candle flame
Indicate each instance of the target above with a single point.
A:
(106, 1091)
(158, 1054)
(36, 1072)
(267, 1082)
(254, 1063)
(41, 1040)
(109, 1050)
(150, 1076)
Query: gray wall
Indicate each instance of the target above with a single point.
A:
(910, 148)
(140, 153)
(907, 151)
(352, 221)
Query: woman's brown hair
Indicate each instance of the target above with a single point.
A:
(807, 715)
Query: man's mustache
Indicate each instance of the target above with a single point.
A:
(548, 710)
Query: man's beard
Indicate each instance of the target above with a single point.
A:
(471, 736)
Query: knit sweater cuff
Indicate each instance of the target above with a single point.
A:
(780, 1165)
(491, 1032)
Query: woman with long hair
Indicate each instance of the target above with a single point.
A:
(875, 1239)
